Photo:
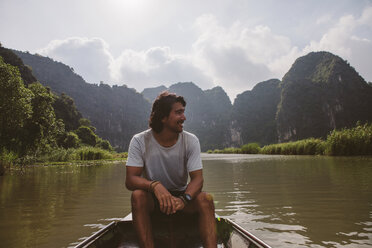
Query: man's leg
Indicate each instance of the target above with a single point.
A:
(204, 206)
(142, 206)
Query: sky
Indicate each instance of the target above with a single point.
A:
(147, 43)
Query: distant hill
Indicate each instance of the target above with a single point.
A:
(151, 93)
(254, 112)
(117, 112)
(321, 92)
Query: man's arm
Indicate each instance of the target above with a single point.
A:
(196, 183)
(194, 165)
(193, 188)
(135, 181)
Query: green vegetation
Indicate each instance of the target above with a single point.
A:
(350, 142)
(7, 159)
(251, 148)
(346, 142)
(118, 112)
(36, 125)
(227, 150)
(321, 92)
(301, 147)
(80, 154)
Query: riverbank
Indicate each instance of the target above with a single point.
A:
(355, 141)
(60, 156)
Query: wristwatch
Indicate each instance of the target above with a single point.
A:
(187, 197)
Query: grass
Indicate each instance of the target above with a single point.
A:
(345, 142)
(7, 160)
(350, 142)
(251, 148)
(309, 146)
(86, 153)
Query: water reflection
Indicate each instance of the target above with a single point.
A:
(286, 201)
(296, 201)
(50, 206)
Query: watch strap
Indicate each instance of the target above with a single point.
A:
(183, 199)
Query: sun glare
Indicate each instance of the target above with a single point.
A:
(128, 5)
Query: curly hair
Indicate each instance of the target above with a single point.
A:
(161, 108)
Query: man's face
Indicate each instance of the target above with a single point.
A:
(174, 121)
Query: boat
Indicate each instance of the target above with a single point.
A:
(177, 230)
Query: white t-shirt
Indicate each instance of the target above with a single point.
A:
(169, 165)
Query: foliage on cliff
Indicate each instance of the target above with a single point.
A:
(321, 92)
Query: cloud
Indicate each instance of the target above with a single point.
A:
(90, 58)
(237, 57)
(324, 19)
(233, 57)
(155, 66)
(346, 40)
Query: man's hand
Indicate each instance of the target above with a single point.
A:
(179, 203)
(166, 201)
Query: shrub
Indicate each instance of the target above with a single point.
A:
(104, 144)
(59, 155)
(349, 142)
(302, 147)
(230, 150)
(70, 140)
(92, 153)
(7, 159)
(87, 136)
(120, 155)
(251, 148)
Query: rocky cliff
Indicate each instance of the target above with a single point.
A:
(321, 92)
(253, 114)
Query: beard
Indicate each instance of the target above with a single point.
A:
(177, 128)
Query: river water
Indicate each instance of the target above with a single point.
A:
(287, 201)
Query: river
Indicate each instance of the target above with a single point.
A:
(287, 201)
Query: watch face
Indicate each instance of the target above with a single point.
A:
(188, 197)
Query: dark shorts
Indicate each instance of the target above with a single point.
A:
(156, 202)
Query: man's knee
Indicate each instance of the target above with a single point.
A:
(139, 199)
(204, 202)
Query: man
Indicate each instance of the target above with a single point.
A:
(159, 163)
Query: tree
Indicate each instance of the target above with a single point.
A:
(15, 106)
(70, 140)
(87, 136)
(65, 109)
(86, 122)
(42, 129)
(104, 144)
